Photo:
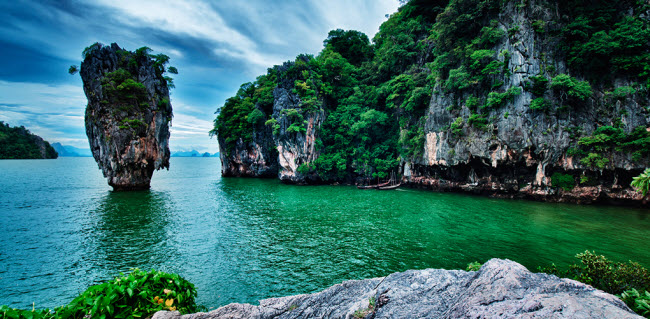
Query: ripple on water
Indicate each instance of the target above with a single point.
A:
(241, 240)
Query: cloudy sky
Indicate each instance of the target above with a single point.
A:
(216, 45)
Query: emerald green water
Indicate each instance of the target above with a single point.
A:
(241, 240)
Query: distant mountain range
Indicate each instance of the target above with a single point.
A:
(193, 153)
(71, 151)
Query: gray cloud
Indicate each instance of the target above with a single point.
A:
(216, 45)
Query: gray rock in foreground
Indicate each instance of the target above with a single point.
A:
(500, 289)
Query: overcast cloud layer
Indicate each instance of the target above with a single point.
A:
(216, 46)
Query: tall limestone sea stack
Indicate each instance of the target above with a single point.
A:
(128, 113)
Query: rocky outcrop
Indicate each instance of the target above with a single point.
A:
(257, 158)
(295, 148)
(501, 288)
(128, 113)
(519, 150)
(280, 149)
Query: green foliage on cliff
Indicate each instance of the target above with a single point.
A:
(450, 48)
(19, 143)
(564, 181)
(601, 42)
(123, 95)
(608, 139)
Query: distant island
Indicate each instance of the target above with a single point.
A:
(71, 151)
(193, 153)
(19, 143)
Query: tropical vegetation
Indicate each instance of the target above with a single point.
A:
(19, 143)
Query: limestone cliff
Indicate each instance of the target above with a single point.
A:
(284, 141)
(501, 288)
(520, 148)
(128, 113)
(542, 99)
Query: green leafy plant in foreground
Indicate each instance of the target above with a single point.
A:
(138, 294)
(10, 313)
(625, 280)
(639, 302)
(601, 273)
(473, 266)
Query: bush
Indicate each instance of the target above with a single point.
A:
(564, 181)
(601, 273)
(642, 182)
(595, 160)
(540, 104)
(478, 121)
(139, 294)
(569, 85)
(496, 99)
(639, 303)
(457, 126)
(6, 312)
(473, 266)
(540, 85)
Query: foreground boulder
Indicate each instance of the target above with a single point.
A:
(501, 288)
(128, 113)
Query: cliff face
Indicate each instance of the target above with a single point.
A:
(257, 158)
(500, 288)
(541, 99)
(520, 148)
(128, 114)
(281, 144)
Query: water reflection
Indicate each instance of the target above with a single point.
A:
(129, 230)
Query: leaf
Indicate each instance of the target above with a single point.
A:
(169, 302)
(129, 291)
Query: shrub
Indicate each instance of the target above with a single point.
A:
(256, 117)
(457, 126)
(478, 121)
(139, 294)
(564, 181)
(472, 102)
(540, 104)
(458, 79)
(639, 303)
(6, 312)
(569, 85)
(594, 160)
(496, 99)
(642, 182)
(621, 92)
(540, 85)
(473, 266)
(603, 274)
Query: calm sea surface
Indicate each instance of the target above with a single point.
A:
(62, 229)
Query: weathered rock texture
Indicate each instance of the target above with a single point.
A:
(521, 148)
(128, 114)
(255, 159)
(278, 152)
(500, 289)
